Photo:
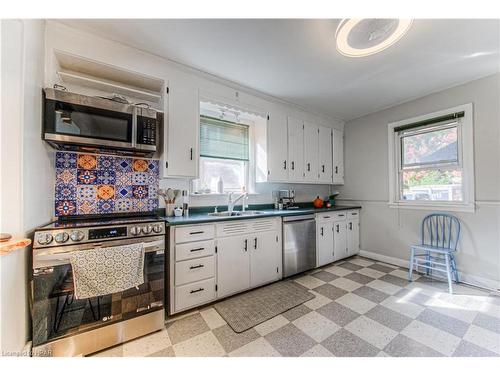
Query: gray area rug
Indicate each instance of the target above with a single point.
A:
(249, 309)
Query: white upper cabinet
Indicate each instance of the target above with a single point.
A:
(277, 147)
(338, 157)
(325, 155)
(181, 134)
(295, 150)
(311, 154)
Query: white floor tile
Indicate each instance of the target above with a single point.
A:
(146, 345)
(309, 282)
(434, 338)
(401, 306)
(361, 262)
(271, 325)
(370, 272)
(257, 348)
(212, 318)
(484, 338)
(316, 326)
(356, 303)
(318, 301)
(204, 345)
(404, 274)
(339, 271)
(317, 351)
(345, 284)
(384, 286)
(455, 311)
(371, 331)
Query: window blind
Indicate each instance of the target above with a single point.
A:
(435, 120)
(223, 139)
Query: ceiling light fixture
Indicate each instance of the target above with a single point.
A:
(358, 37)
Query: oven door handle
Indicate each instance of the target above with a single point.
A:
(149, 247)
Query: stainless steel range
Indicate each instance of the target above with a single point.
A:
(66, 326)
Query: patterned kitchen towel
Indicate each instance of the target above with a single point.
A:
(107, 270)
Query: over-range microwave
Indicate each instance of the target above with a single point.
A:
(80, 122)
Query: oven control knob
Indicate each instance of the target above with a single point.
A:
(134, 231)
(147, 229)
(77, 235)
(157, 228)
(61, 237)
(44, 238)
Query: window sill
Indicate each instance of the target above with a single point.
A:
(471, 207)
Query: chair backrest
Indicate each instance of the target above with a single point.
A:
(441, 230)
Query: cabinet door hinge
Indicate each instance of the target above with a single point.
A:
(168, 90)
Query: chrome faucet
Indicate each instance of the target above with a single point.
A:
(231, 202)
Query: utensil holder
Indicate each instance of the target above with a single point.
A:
(169, 209)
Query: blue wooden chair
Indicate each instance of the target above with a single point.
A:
(440, 234)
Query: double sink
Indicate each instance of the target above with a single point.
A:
(236, 213)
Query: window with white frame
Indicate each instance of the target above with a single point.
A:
(224, 155)
(432, 161)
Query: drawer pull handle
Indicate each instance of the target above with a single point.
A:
(321, 230)
(338, 228)
(198, 266)
(246, 245)
(198, 249)
(255, 243)
(326, 217)
(197, 290)
(342, 215)
(350, 226)
(198, 232)
(354, 213)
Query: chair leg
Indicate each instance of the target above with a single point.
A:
(454, 267)
(448, 273)
(410, 268)
(428, 258)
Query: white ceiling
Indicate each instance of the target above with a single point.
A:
(296, 60)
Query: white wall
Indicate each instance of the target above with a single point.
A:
(27, 176)
(387, 231)
(63, 38)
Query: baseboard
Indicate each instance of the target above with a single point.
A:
(472, 280)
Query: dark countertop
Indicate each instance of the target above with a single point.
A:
(203, 217)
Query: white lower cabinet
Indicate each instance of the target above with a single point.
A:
(211, 261)
(324, 240)
(337, 235)
(233, 265)
(248, 254)
(265, 258)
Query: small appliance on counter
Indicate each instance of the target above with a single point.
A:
(63, 324)
(286, 198)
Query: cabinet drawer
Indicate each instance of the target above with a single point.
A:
(353, 214)
(327, 216)
(342, 215)
(194, 250)
(189, 271)
(194, 233)
(194, 294)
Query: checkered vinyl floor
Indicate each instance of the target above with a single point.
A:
(361, 308)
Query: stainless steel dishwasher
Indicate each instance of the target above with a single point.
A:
(299, 244)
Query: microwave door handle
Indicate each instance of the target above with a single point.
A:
(134, 127)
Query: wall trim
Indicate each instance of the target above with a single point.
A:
(472, 280)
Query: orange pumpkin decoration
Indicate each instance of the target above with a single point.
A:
(318, 202)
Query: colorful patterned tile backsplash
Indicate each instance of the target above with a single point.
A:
(90, 184)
